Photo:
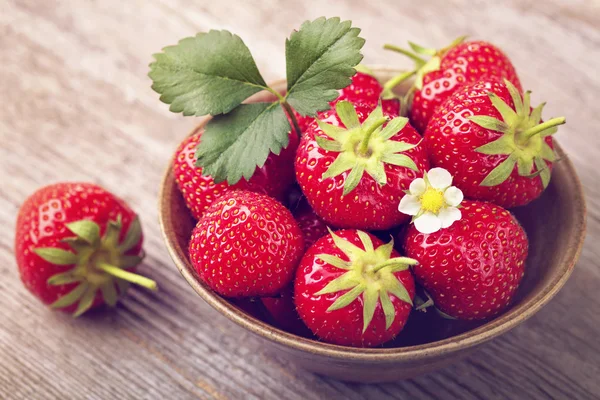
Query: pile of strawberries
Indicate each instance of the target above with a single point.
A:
(305, 233)
(360, 211)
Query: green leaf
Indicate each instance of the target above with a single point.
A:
(508, 114)
(86, 230)
(385, 250)
(393, 127)
(504, 145)
(400, 160)
(544, 171)
(56, 256)
(489, 123)
(388, 308)
(341, 164)
(392, 147)
(348, 248)
(370, 298)
(344, 282)
(347, 114)
(335, 261)
(353, 178)
(524, 165)
(501, 172)
(334, 132)
(366, 241)
(132, 237)
(347, 298)
(516, 98)
(109, 293)
(394, 286)
(210, 73)
(329, 145)
(432, 65)
(547, 153)
(86, 302)
(422, 50)
(536, 115)
(71, 297)
(376, 170)
(233, 145)
(320, 59)
(64, 278)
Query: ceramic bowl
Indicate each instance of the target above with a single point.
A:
(555, 224)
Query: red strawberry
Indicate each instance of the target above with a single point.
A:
(313, 228)
(489, 139)
(365, 89)
(353, 167)
(77, 246)
(282, 311)
(199, 191)
(447, 70)
(246, 244)
(473, 268)
(354, 290)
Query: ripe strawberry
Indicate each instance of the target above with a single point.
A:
(199, 191)
(354, 290)
(282, 312)
(313, 228)
(77, 246)
(246, 244)
(473, 268)
(489, 139)
(365, 89)
(354, 166)
(447, 70)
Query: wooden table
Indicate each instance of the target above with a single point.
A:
(77, 105)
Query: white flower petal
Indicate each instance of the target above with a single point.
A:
(417, 187)
(439, 178)
(428, 223)
(409, 205)
(449, 215)
(453, 196)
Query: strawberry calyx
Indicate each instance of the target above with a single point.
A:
(96, 263)
(424, 304)
(370, 273)
(522, 140)
(426, 60)
(364, 147)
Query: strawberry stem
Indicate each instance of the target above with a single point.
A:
(364, 144)
(407, 53)
(127, 276)
(398, 79)
(531, 132)
(290, 113)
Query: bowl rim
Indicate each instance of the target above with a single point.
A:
(465, 340)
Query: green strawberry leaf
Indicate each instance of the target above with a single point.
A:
(233, 145)
(210, 73)
(320, 59)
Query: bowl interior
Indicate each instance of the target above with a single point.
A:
(555, 225)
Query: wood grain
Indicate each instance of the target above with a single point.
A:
(77, 104)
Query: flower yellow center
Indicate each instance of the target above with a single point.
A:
(432, 200)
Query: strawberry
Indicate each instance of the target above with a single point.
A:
(473, 268)
(77, 246)
(199, 191)
(313, 228)
(366, 89)
(447, 70)
(489, 139)
(354, 166)
(282, 312)
(246, 244)
(352, 289)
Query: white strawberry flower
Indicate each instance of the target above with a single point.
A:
(432, 201)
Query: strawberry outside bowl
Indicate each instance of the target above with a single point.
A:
(555, 224)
